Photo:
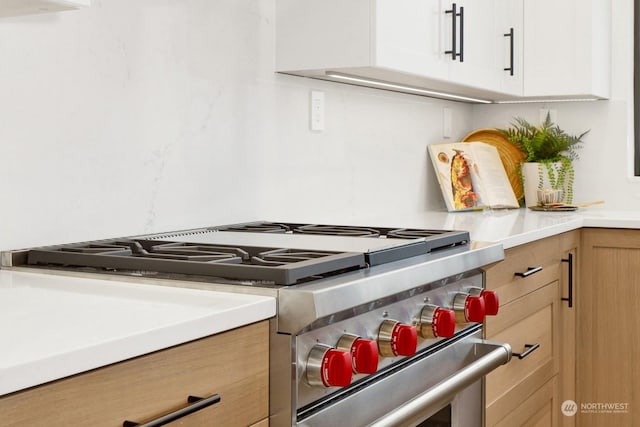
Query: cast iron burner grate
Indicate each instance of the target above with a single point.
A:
(435, 239)
(337, 230)
(414, 233)
(257, 227)
(280, 266)
(287, 256)
(176, 251)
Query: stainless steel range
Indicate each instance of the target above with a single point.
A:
(375, 326)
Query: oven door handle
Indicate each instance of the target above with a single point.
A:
(434, 399)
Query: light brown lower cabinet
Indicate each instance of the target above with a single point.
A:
(233, 365)
(570, 286)
(608, 343)
(537, 410)
(526, 322)
(536, 320)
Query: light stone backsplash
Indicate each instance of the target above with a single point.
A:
(134, 117)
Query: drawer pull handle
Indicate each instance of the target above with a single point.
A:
(528, 349)
(529, 272)
(195, 404)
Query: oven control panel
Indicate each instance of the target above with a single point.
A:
(342, 353)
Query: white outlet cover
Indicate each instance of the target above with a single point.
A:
(316, 111)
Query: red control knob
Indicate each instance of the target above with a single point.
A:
(397, 339)
(491, 301)
(474, 309)
(328, 367)
(437, 322)
(468, 308)
(364, 353)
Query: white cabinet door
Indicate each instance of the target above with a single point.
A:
(408, 37)
(476, 64)
(509, 40)
(567, 48)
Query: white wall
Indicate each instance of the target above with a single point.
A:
(605, 168)
(140, 116)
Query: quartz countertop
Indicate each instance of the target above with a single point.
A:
(55, 326)
(517, 227)
(512, 227)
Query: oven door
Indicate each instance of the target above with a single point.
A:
(465, 409)
(441, 387)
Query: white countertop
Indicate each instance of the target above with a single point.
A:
(56, 326)
(512, 227)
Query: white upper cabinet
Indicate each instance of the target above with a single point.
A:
(470, 34)
(567, 48)
(496, 50)
(438, 45)
(28, 7)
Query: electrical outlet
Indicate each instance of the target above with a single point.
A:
(316, 111)
(447, 122)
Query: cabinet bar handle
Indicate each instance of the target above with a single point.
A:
(461, 15)
(454, 32)
(510, 35)
(569, 298)
(528, 349)
(529, 272)
(196, 404)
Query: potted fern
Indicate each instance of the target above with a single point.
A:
(550, 153)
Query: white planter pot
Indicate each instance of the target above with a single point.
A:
(535, 177)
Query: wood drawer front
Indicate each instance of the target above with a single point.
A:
(233, 364)
(528, 320)
(502, 278)
(538, 410)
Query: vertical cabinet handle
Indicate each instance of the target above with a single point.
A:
(195, 405)
(454, 32)
(510, 35)
(569, 298)
(455, 14)
(461, 15)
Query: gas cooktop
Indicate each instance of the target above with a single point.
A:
(281, 266)
(263, 253)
